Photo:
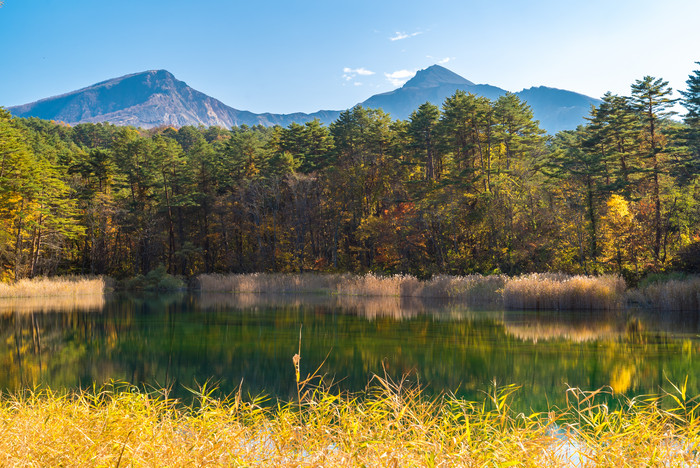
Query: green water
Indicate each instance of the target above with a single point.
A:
(184, 340)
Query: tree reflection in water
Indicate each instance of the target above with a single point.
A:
(182, 340)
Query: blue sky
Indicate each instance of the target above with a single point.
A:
(286, 56)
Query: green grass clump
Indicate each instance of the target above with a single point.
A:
(391, 424)
(155, 280)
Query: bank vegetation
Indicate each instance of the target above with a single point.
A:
(391, 424)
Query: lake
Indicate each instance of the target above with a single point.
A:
(184, 340)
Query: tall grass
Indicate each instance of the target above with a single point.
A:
(54, 287)
(472, 289)
(271, 282)
(563, 292)
(674, 294)
(535, 291)
(392, 424)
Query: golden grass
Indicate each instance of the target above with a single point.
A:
(471, 289)
(392, 424)
(271, 282)
(534, 291)
(53, 287)
(563, 292)
(682, 295)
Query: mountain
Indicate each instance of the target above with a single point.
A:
(151, 99)
(556, 109)
(434, 84)
(156, 98)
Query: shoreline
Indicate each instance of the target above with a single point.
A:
(535, 291)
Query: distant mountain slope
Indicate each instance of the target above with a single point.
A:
(434, 84)
(151, 99)
(156, 98)
(556, 109)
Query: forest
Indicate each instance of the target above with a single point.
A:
(472, 187)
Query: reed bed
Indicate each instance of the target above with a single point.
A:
(678, 295)
(272, 282)
(392, 424)
(471, 289)
(563, 292)
(53, 287)
(534, 291)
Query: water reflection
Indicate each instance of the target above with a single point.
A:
(368, 307)
(52, 304)
(568, 326)
(182, 340)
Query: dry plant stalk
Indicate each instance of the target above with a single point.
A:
(681, 295)
(471, 288)
(391, 424)
(53, 287)
(534, 291)
(563, 292)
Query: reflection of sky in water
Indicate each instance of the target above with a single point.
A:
(182, 340)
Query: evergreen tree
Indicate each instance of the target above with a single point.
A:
(651, 98)
(422, 132)
(691, 132)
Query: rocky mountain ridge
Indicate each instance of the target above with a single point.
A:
(156, 98)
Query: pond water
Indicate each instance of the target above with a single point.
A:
(182, 341)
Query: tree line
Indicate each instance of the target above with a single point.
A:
(473, 186)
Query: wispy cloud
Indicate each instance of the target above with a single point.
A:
(440, 61)
(357, 71)
(350, 73)
(357, 83)
(402, 35)
(399, 77)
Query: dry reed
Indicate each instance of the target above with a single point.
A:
(680, 295)
(470, 289)
(535, 291)
(53, 287)
(544, 291)
(393, 424)
(271, 282)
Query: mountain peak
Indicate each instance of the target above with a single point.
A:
(151, 98)
(436, 75)
(148, 76)
(154, 98)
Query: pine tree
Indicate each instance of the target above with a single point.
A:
(650, 97)
(691, 133)
(422, 133)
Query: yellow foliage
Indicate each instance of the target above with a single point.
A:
(621, 378)
(618, 208)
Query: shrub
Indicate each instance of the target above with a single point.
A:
(155, 280)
